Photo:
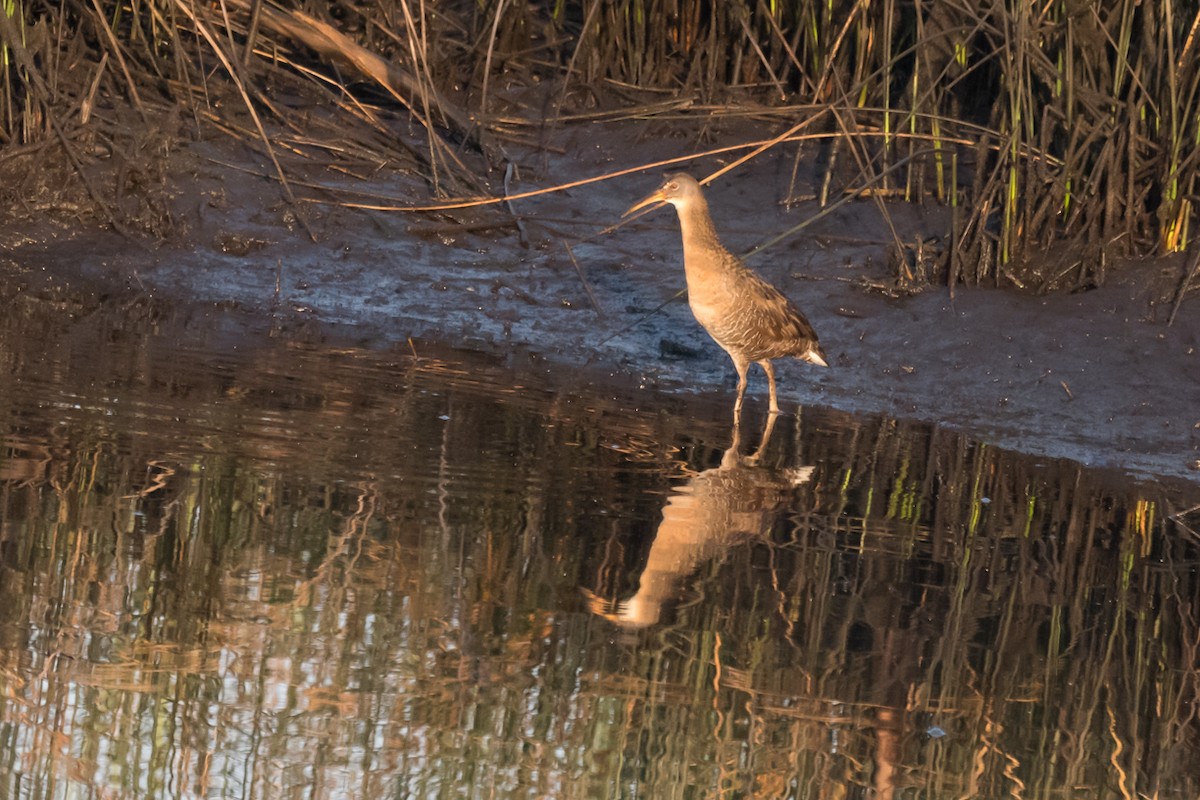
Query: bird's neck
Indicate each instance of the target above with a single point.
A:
(703, 253)
(697, 226)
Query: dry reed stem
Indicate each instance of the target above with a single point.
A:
(204, 31)
(587, 288)
(757, 146)
(115, 47)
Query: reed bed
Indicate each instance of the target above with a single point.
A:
(1061, 126)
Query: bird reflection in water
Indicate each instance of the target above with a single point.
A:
(718, 508)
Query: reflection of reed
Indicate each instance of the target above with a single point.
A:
(348, 574)
(25, 462)
(714, 510)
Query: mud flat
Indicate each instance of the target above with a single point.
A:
(1097, 376)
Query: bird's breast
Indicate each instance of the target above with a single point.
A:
(724, 320)
(712, 304)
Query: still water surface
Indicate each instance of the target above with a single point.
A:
(233, 565)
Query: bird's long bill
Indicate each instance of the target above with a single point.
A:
(654, 197)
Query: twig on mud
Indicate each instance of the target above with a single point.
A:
(509, 169)
(92, 191)
(642, 318)
(436, 228)
(583, 279)
(1184, 285)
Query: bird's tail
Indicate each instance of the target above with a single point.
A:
(814, 355)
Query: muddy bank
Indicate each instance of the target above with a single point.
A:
(1095, 376)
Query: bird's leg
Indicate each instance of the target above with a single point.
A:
(770, 370)
(742, 366)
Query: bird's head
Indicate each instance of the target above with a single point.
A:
(679, 189)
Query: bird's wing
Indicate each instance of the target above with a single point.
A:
(785, 317)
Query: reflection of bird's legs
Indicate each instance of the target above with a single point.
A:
(730, 458)
(770, 370)
(762, 443)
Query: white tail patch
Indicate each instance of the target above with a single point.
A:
(813, 357)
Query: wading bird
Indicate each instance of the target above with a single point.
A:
(748, 317)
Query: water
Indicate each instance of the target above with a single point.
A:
(236, 564)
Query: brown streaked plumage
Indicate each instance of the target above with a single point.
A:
(748, 317)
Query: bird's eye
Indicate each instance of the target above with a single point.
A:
(672, 186)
